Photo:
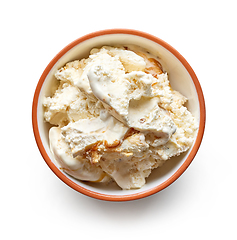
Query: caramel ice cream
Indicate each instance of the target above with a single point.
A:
(115, 117)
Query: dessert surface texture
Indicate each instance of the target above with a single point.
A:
(115, 117)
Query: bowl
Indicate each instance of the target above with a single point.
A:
(182, 79)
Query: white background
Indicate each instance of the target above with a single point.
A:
(35, 204)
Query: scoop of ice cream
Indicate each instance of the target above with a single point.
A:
(77, 167)
(69, 104)
(129, 59)
(83, 134)
(131, 100)
(122, 163)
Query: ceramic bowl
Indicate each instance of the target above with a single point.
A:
(182, 79)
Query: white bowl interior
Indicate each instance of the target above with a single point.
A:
(179, 78)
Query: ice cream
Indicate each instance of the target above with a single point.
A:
(115, 117)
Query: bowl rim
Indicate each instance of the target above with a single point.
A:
(136, 195)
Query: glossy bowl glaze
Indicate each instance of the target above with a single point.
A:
(182, 79)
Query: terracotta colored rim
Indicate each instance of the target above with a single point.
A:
(145, 193)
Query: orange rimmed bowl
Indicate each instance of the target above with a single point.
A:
(182, 79)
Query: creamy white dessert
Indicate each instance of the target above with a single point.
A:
(115, 117)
